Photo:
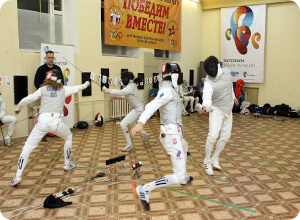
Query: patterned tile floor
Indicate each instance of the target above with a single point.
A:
(259, 180)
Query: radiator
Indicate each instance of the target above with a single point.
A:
(118, 108)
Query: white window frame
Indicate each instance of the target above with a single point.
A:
(165, 55)
(52, 14)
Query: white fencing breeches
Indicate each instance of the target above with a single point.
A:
(130, 120)
(12, 123)
(177, 148)
(47, 122)
(218, 122)
(187, 99)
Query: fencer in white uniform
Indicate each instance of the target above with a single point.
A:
(131, 94)
(171, 134)
(218, 100)
(52, 94)
(7, 119)
(188, 97)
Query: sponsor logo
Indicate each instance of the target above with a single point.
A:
(234, 73)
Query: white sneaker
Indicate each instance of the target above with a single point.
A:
(144, 197)
(208, 167)
(146, 138)
(185, 113)
(7, 140)
(70, 166)
(191, 110)
(215, 164)
(15, 181)
(128, 148)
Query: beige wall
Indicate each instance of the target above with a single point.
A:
(282, 75)
(89, 58)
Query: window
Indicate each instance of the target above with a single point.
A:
(42, 21)
(161, 53)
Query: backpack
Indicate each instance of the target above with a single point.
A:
(82, 125)
(282, 110)
(265, 109)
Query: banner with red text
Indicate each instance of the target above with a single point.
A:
(141, 23)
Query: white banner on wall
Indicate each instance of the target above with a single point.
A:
(64, 58)
(243, 42)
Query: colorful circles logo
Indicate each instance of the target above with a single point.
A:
(172, 42)
(114, 35)
(66, 75)
(46, 48)
(241, 34)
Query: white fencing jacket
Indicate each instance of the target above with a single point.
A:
(51, 101)
(130, 92)
(218, 92)
(168, 103)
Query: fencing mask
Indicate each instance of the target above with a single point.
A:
(54, 75)
(52, 202)
(98, 119)
(126, 77)
(211, 66)
(172, 72)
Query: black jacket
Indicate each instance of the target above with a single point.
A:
(40, 75)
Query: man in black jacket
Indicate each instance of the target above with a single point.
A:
(43, 69)
(41, 73)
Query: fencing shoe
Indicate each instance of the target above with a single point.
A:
(191, 110)
(189, 179)
(208, 167)
(146, 138)
(144, 197)
(215, 164)
(15, 181)
(69, 166)
(7, 140)
(128, 148)
(44, 139)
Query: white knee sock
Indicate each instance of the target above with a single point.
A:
(127, 135)
(208, 148)
(161, 182)
(196, 101)
(68, 150)
(220, 146)
(22, 162)
(192, 104)
(11, 128)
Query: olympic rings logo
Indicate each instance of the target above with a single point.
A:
(114, 35)
(172, 42)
